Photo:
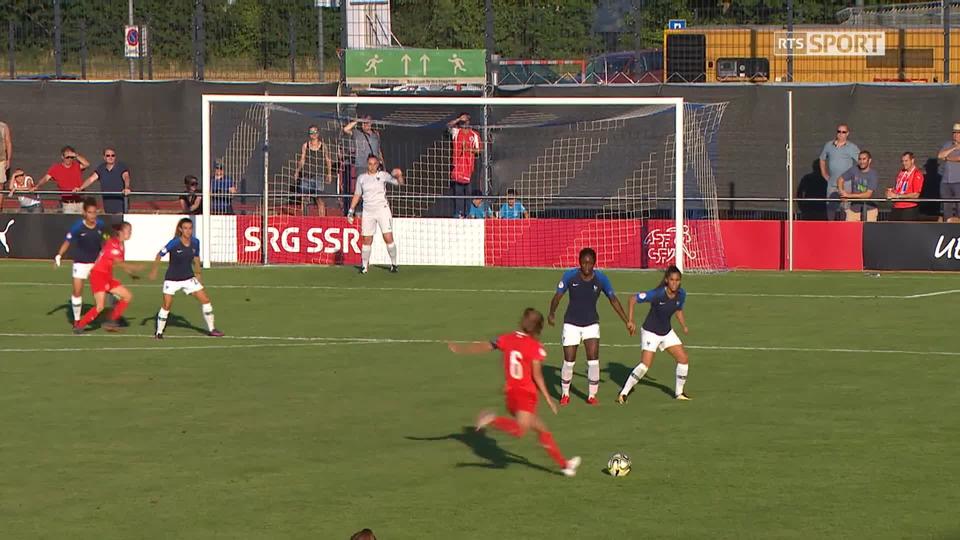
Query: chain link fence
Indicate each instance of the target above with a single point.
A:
(538, 41)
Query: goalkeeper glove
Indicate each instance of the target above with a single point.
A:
(56, 260)
(350, 216)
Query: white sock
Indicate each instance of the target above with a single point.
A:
(162, 320)
(365, 254)
(392, 251)
(593, 376)
(566, 377)
(635, 376)
(76, 302)
(208, 316)
(682, 370)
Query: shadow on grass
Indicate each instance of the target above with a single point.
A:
(175, 321)
(67, 310)
(619, 374)
(485, 448)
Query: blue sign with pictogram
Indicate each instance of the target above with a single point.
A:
(676, 24)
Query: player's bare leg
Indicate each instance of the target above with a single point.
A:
(125, 297)
(683, 367)
(321, 207)
(531, 421)
(592, 348)
(391, 251)
(566, 373)
(646, 360)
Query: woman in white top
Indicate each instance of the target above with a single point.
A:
(21, 182)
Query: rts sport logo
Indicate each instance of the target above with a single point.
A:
(303, 240)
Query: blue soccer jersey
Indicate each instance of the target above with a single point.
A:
(582, 306)
(85, 241)
(181, 259)
(662, 308)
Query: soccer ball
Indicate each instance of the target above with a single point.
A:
(619, 465)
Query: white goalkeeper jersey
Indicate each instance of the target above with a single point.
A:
(373, 189)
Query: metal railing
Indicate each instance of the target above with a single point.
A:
(580, 207)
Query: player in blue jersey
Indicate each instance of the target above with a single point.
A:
(581, 323)
(657, 334)
(183, 274)
(86, 238)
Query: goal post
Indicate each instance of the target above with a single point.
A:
(520, 120)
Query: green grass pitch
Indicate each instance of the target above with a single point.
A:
(825, 406)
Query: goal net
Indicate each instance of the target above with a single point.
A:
(632, 178)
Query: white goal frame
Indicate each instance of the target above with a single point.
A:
(209, 99)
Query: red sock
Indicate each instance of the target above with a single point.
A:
(88, 317)
(550, 445)
(118, 310)
(507, 425)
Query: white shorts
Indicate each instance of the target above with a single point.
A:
(655, 342)
(575, 335)
(82, 270)
(188, 286)
(371, 218)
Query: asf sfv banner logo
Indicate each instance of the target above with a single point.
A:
(829, 43)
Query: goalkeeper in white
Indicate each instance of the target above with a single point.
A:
(372, 187)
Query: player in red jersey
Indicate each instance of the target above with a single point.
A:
(103, 282)
(522, 357)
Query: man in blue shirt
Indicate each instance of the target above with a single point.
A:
(114, 177)
(86, 238)
(581, 322)
(512, 209)
(479, 209)
(222, 188)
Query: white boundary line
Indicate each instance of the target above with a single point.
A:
(511, 291)
(294, 341)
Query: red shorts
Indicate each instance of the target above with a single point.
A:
(102, 282)
(521, 401)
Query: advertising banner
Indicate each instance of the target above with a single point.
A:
(911, 246)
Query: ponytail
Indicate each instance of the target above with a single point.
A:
(672, 269)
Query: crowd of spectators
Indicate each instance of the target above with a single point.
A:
(853, 184)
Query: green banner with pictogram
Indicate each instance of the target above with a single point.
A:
(416, 66)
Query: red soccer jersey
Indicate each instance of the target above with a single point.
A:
(111, 252)
(67, 178)
(520, 351)
(908, 182)
(465, 143)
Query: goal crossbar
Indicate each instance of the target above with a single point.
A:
(209, 99)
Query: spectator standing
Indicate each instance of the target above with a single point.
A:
(366, 143)
(512, 209)
(466, 146)
(906, 191)
(863, 182)
(24, 184)
(68, 175)
(222, 189)
(6, 151)
(191, 203)
(314, 169)
(950, 179)
(114, 177)
(836, 158)
(479, 208)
